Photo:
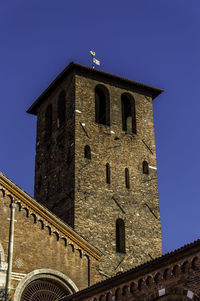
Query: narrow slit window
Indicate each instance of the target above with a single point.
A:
(128, 113)
(39, 183)
(61, 109)
(120, 236)
(87, 152)
(145, 167)
(127, 179)
(48, 121)
(102, 105)
(108, 173)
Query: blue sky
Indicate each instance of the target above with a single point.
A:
(156, 42)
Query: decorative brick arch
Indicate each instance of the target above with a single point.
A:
(48, 276)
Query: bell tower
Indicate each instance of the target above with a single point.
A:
(95, 164)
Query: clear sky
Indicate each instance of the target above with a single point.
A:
(156, 42)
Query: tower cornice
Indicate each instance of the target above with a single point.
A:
(98, 74)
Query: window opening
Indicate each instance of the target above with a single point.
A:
(128, 113)
(127, 181)
(61, 109)
(108, 173)
(120, 236)
(39, 183)
(44, 290)
(48, 120)
(102, 105)
(145, 167)
(87, 152)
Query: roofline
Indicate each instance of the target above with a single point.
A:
(41, 210)
(137, 271)
(152, 90)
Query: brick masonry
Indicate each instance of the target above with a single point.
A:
(96, 210)
(40, 245)
(75, 189)
(54, 163)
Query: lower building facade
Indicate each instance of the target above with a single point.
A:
(41, 258)
(172, 277)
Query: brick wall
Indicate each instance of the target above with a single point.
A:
(54, 163)
(75, 188)
(39, 245)
(98, 204)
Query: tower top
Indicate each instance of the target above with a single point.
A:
(95, 74)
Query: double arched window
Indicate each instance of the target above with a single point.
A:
(102, 105)
(61, 109)
(102, 109)
(128, 113)
(120, 236)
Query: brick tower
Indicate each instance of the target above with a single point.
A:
(96, 163)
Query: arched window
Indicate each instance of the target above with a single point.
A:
(102, 105)
(108, 173)
(48, 121)
(127, 181)
(61, 109)
(145, 166)
(44, 289)
(128, 113)
(120, 236)
(87, 152)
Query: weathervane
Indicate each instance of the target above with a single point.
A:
(94, 60)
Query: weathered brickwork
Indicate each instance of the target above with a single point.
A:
(96, 202)
(173, 277)
(40, 244)
(54, 164)
(75, 188)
